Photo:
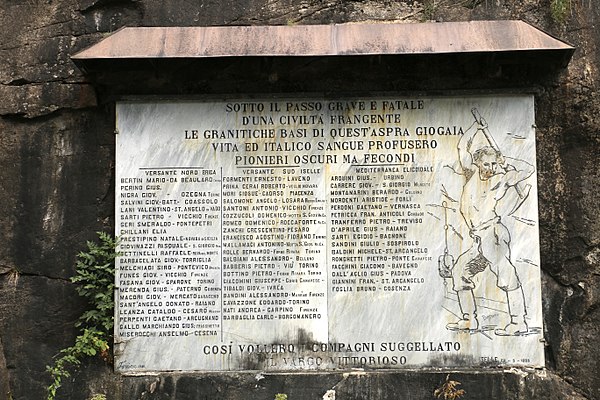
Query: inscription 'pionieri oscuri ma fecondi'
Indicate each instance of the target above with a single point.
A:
(318, 234)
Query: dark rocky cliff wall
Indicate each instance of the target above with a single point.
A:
(56, 178)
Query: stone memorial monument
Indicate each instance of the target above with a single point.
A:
(315, 200)
(314, 233)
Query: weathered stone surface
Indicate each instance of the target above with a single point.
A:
(33, 332)
(48, 199)
(351, 386)
(35, 100)
(54, 196)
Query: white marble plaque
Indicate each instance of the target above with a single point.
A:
(317, 234)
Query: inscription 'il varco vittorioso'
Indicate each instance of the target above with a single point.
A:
(319, 234)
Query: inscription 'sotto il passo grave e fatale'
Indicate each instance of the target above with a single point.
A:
(316, 234)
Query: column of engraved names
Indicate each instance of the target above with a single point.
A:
(403, 225)
(306, 223)
(370, 226)
(197, 278)
(247, 259)
(349, 230)
(139, 260)
(178, 288)
(266, 232)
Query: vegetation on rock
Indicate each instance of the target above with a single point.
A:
(95, 276)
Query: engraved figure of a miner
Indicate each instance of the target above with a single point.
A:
(489, 175)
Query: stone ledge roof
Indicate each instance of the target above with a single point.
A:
(326, 40)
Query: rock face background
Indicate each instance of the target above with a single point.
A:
(56, 179)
